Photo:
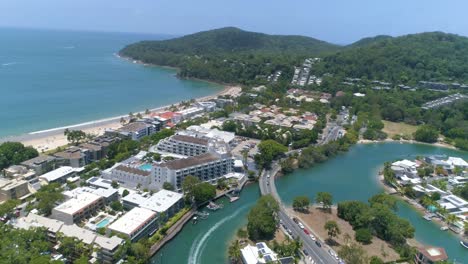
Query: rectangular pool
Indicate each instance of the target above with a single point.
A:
(146, 167)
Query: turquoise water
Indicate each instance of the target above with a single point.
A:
(103, 223)
(57, 78)
(352, 176)
(348, 176)
(207, 241)
(146, 167)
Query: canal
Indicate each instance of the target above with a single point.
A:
(350, 176)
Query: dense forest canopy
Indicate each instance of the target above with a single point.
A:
(433, 56)
(232, 55)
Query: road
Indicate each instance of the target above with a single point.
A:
(267, 186)
(331, 133)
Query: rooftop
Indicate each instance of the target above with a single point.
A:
(80, 233)
(77, 203)
(189, 139)
(90, 146)
(133, 170)
(38, 160)
(434, 253)
(71, 153)
(132, 221)
(133, 127)
(161, 201)
(33, 220)
(190, 162)
(108, 243)
(57, 173)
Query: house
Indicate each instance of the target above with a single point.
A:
(405, 168)
(457, 162)
(258, 254)
(430, 255)
(14, 189)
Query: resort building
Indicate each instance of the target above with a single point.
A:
(258, 254)
(97, 182)
(135, 224)
(78, 208)
(128, 176)
(14, 189)
(209, 133)
(109, 195)
(59, 175)
(430, 255)
(73, 157)
(164, 201)
(40, 164)
(191, 112)
(20, 172)
(184, 145)
(454, 204)
(106, 247)
(136, 130)
(207, 167)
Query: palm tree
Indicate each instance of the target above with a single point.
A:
(451, 218)
(234, 252)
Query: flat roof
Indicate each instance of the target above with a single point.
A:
(57, 173)
(133, 170)
(134, 127)
(161, 201)
(38, 160)
(80, 233)
(34, 220)
(106, 193)
(70, 153)
(108, 243)
(132, 220)
(77, 203)
(190, 139)
(190, 162)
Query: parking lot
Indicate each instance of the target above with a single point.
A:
(246, 144)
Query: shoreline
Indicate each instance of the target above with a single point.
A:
(405, 141)
(417, 208)
(48, 139)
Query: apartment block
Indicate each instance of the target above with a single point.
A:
(78, 208)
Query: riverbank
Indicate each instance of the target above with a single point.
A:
(49, 139)
(405, 141)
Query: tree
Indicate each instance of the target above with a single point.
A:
(242, 233)
(75, 136)
(115, 184)
(14, 153)
(262, 221)
(363, 235)
(301, 203)
(268, 150)
(451, 218)
(116, 206)
(197, 191)
(427, 134)
(47, 196)
(8, 206)
(168, 186)
(353, 254)
(385, 199)
(325, 199)
(188, 186)
(376, 260)
(125, 193)
(234, 252)
(332, 229)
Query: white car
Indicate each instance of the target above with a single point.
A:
(301, 225)
(312, 237)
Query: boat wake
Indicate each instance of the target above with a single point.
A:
(200, 243)
(9, 63)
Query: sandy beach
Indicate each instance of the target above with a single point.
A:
(49, 139)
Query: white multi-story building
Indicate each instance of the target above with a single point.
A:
(164, 201)
(258, 254)
(78, 208)
(129, 176)
(136, 224)
(184, 145)
(59, 175)
(136, 130)
(405, 168)
(207, 167)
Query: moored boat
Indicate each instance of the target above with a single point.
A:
(464, 243)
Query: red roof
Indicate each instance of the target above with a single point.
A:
(166, 115)
(310, 117)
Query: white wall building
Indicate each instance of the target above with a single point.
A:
(78, 208)
(58, 175)
(258, 254)
(164, 201)
(136, 223)
(405, 168)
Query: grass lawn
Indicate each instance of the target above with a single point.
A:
(392, 128)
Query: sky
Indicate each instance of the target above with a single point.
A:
(336, 21)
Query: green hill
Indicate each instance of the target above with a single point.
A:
(367, 41)
(433, 56)
(229, 55)
(230, 40)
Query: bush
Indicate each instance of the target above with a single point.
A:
(363, 235)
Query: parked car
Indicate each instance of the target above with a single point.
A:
(305, 252)
(295, 220)
(301, 225)
(306, 231)
(318, 243)
(312, 237)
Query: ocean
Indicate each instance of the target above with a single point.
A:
(52, 78)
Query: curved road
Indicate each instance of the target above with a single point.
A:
(267, 186)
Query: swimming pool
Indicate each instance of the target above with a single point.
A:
(146, 167)
(103, 223)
